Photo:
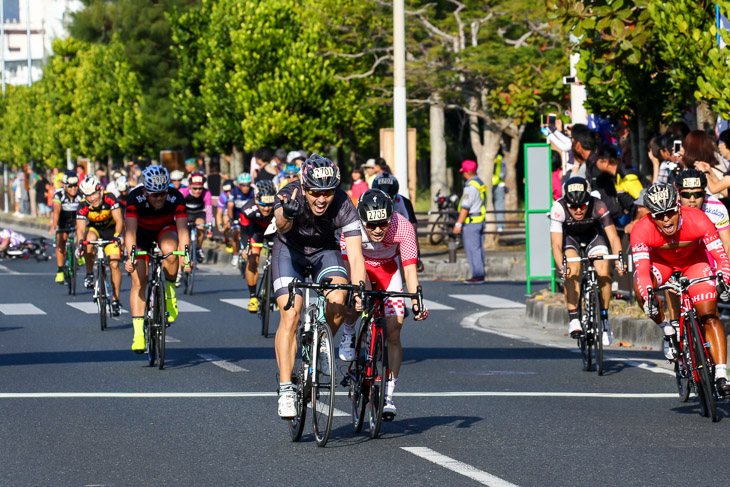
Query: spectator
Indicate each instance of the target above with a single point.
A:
(80, 171)
(42, 186)
(698, 147)
(214, 178)
(471, 220)
(578, 147)
(670, 156)
(359, 186)
(557, 170)
(101, 176)
(260, 158)
(723, 146)
(371, 171)
(56, 176)
(382, 166)
(616, 186)
(280, 158)
(269, 168)
(33, 178)
(499, 190)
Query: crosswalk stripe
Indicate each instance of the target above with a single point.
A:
(241, 303)
(484, 478)
(488, 301)
(20, 309)
(88, 308)
(434, 306)
(184, 306)
(223, 364)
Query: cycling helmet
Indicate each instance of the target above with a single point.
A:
(660, 198)
(70, 177)
(197, 179)
(387, 183)
(375, 206)
(243, 178)
(90, 185)
(319, 173)
(227, 185)
(177, 175)
(691, 179)
(122, 183)
(576, 191)
(156, 179)
(265, 193)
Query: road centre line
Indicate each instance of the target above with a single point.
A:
(461, 468)
(223, 364)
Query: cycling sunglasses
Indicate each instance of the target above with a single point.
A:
(373, 226)
(72, 185)
(157, 195)
(578, 207)
(689, 194)
(317, 194)
(661, 215)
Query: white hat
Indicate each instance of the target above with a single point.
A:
(293, 156)
(369, 163)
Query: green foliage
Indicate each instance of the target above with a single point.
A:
(713, 84)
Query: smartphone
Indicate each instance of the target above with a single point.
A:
(677, 146)
(569, 80)
(551, 119)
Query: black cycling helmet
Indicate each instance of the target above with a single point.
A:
(660, 198)
(265, 193)
(690, 179)
(319, 173)
(375, 206)
(387, 183)
(227, 185)
(70, 178)
(576, 191)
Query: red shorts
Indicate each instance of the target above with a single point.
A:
(703, 291)
(387, 277)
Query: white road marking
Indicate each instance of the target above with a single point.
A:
(89, 308)
(185, 307)
(335, 414)
(169, 339)
(223, 364)
(241, 302)
(8, 271)
(434, 306)
(20, 309)
(488, 301)
(461, 468)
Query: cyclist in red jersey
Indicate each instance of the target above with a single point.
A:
(673, 238)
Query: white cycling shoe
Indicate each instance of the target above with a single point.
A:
(347, 347)
(287, 404)
(574, 328)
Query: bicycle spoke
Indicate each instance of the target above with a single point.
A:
(323, 385)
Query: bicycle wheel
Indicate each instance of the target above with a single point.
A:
(597, 331)
(378, 373)
(101, 297)
(323, 385)
(191, 277)
(584, 342)
(161, 325)
(359, 385)
(150, 338)
(265, 298)
(296, 424)
(436, 226)
(71, 262)
(680, 372)
(703, 372)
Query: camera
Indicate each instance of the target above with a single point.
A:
(569, 80)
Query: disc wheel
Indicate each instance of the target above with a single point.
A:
(323, 385)
(702, 369)
(296, 424)
(359, 386)
(379, 366)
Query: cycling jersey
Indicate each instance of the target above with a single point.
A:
(253, 222)
(659, 254)
(101, 216)
(311, 234)
(150, 218)
(197, 206)
(716, 212)
(69, 206)
(223, 200)
(15, 238)
(596, 218)
(404, 207)
(239, 199)
(399, 241)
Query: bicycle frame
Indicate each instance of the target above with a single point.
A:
(102, 297)
(70, 260)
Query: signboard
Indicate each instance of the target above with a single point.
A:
(538, 200)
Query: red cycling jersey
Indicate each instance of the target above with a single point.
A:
(660, 254)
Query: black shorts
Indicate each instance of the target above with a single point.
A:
(595, 243)
(66, 221)
(289, 264)
(146, 239)
(194, 215)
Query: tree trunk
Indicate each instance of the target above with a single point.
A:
(644, 164)
(236, 165)
(439, 177)
(706, 118)
(510, 163)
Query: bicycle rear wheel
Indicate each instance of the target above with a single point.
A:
(359, 386)
(71, 262)
(265, 297)
(436, 226)
(702, 368)
(379, 375)
(161, 325)
(296, 424)
(585, 342)
(323, 385)
(101, 297)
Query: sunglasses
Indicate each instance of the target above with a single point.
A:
(72, 185)
(373, 226)
(661, 215)
(157, 195)
(692, 194)
(196, 188)
(578, 207)
(317, 194)
(265, 205)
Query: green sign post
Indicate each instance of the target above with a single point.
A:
(538, 200)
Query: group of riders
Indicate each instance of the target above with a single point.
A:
(316, 231)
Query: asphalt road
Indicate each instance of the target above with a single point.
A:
(493, 401)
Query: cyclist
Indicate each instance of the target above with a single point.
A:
(239, 196)
(199, 204)
(401, 205)
(308, 214)
(256, 215)
(65, 203)
(221, 213)
(576, 219)
(120, 189)
(671, 238)
(100, 217)
(388, 241)
(290, 173)
(10, 239)
(155, 214)
(176, 179)
(691, 184)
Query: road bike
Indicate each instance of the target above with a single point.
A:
(444, 222)
(590, 340)
(367, 375)
(265, 290)
(189, 277)
(70, 264)
(155, 311)
(34, 247)
(314, 373)
(103, 295)
(694, 369)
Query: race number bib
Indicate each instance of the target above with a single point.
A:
(323, 172)
(377, 215)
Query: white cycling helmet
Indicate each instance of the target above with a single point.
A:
(177, 175)
(156, 179)
(90, 185)
(121, 183)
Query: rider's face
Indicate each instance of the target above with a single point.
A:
(157, 200)
(72, 189)
(578, 211)
(94, 198)
(667, 222)
(265, 209)
(319, 201)
(376, 231)
(692, 197)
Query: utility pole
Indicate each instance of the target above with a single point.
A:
(27, 30)
(2, 42)
(400, 124)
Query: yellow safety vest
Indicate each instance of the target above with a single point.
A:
(482, 188)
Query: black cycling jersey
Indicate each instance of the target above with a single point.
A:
(311, 234)
(253, 222)
(150, 218)
(596, 219)
(69, 207)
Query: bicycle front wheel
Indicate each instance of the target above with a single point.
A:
(101, 297)
(150, 337)
(71, 262)
(265, 297)
(597, 331)
(161, 326)
(379, 375)
(585, 342)
(703, 373)
(437, 226)
(359, 386)
(323, 385)
(296, 424)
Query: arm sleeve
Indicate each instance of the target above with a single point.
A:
(557, 218)
(561, 141)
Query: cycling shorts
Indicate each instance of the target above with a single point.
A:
(146, 239)
(702, 291)
(289, 264)
(596, 243)
(387, 276)
(106, 234)
(66, 220)
(196, 215)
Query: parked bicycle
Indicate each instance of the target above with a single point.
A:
(103, 295)
(590, 341)
(314, 371)
(71, 264)
(265, 290)
(694, 369)
(444, 222)
(367, 374)
(155, 312)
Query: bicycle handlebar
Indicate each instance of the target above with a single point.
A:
(619, 257)
(383, 294)
(99, 242)
(678, 285)
(325, 285)
(155, 255)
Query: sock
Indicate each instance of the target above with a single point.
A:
(604, 314)
(390, 387)
(138, 325)
(348, 328)
(60, 269)
(720, 371)
(285, 386)
(573, 315)
(252, 291)
(668, 328)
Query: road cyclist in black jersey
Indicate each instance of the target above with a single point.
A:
(309, 213)
(99, 217)
(63, 218)
(156, 216)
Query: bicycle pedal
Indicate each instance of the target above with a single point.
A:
(140, 352)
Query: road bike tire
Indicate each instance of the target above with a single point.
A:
(265, 300)
(101, 300)
(323, 385)
(683, 387)
(360, 386)
(71, 262)
(150, 339)
(702, 367)
(584, 342)
(597, 332)
(379, 370)
(296, 424)
(436, 226)
(161, 325)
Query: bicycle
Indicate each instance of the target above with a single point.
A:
(103, 295)
(70, 264)
(189, 277)
(155, 312)
(314, 378)
(590, 341)
(444, 222)
(265, 290)
(367, 374)
(694, 369)
(35, 247)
